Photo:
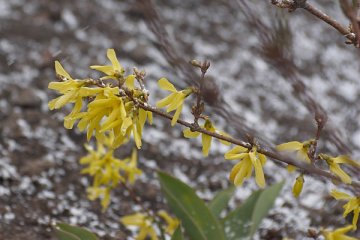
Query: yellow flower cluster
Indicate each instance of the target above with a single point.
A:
(302, 149)
(106, 170)
(110, 109)
(250, 159)
(145, 224)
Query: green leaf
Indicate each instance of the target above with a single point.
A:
(243, 222)
(177, 235)
(221, 200)
(198, 221)
(62, 235)
(68, 232)
(237, 224)
(264, 204)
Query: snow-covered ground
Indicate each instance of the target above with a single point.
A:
(40, 179)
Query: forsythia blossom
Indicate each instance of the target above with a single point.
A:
(206, 139)
(353, 205)
(114, 71)
(338, 234)
(249, 159)
(301, 147)
(107, 170)
(143, 222)
(175, 100)
(334, 166)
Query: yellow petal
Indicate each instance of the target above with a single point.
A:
(166, 101)
(166, 85)
(236, 156)
(346, 160)
(356, 217)
(243, 172)
(339, 195)
(125, 125)
(108, 70)
(130, 81)
(259, 174)
(235, 170)
(137, 137)
(235, 150)
(298, 186)
(289, 146)
(133, 220)
(190, 134)
(335, 168)
(114, 61)
(176, 102)
(150, 117)
(61, 71)
(176, 115)
(206, 143)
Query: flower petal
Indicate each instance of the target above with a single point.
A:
(176, 115)
(114, 61)
(290, 146)
(166, 85)
(130, 81)
(339, 195)
(190, 134)
(108, 70)
(61, 71)
(259, 174)
(206, 143)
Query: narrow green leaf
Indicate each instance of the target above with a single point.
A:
(177, 235)
(78, 232)
(221, 200)
(243, 222)
(62, 235)
(198, 221)
(237, 224)
(264, 203)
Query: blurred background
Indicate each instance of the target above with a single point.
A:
(271, 71)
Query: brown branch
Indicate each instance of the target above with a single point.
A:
(307, 168)
(294, 4)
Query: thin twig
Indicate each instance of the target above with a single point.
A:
(276, 156)
(293, 5)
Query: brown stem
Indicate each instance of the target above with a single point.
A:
(308, 168)
(292, 5)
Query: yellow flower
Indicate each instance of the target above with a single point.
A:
(338, 234)
(100, 192)
(334, 167)
(243, 170)
(113, 71)
(301, 147)
(106, 170)
(175, 100)
(353, 205)
(143, 222)
(172, 223)
(131, 167)
(298, 186)
(206, 139)
(73, 91)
